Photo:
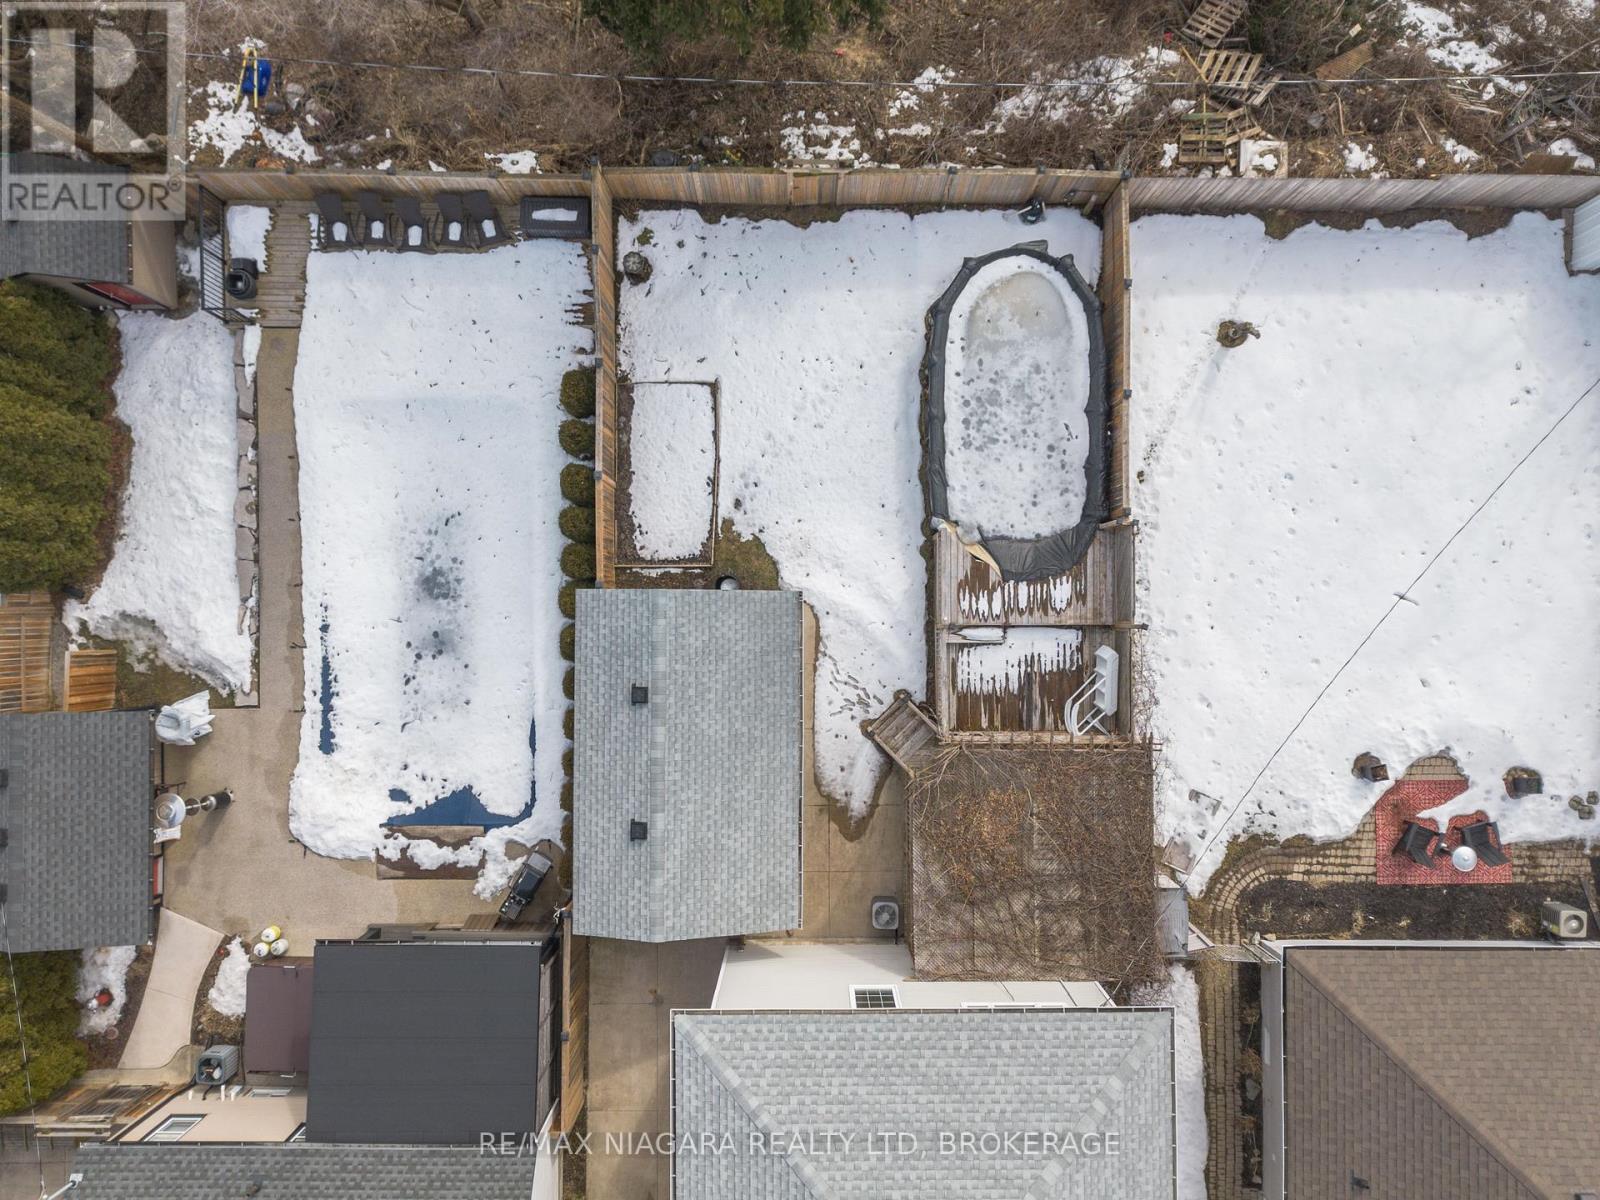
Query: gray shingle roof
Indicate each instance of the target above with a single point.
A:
(712, 762)
(300, 1171)
(432, 1043)
(799, 1077)
(76, 808)
(97, 251)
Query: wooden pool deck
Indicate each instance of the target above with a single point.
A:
(1095, 599)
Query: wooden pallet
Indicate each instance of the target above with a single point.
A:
(91, 680)
(1207, 135)
(1212, 20)
(1347, 64)
(1235, 75)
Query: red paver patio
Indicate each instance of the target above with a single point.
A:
(1404, 801)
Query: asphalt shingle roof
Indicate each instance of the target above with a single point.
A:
(425, 1043)
(300, 1171)
(712, 762)
(76, 809)
(97, 251)
(804, 1081)
(1443, 1072)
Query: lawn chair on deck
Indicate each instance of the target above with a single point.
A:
(376, 227)
(453, 232)
(334, 231)
(1417, 842)
(486, 225)
(1482, 837)
(413, 228)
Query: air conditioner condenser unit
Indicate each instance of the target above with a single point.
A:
(1563, 922)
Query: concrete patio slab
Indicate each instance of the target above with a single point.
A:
(634, 988)
(166, 1014)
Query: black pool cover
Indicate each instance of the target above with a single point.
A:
(1020, 558)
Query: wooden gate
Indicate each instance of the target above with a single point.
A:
(26, 619)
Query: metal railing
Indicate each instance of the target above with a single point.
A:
(213, 227)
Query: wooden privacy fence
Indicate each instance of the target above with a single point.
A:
(1116, 283)
(1114, 197)
(26, 620)
(574, 1029)
(962, 186)
(268, 187)
(1180, 194)
(606, 455)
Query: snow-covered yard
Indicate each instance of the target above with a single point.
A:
(1292, 487)
(172, 589)
(426, 411)
(104, 967)
(816, 335)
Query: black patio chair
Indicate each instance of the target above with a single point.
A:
(413, 227)
(487, 228)
(377, 227)
(334, 229)
(454, 232)
(1482, 837)
(1415, 841)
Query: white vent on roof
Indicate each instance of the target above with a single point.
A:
(874, 997)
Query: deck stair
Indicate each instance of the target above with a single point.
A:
(905, 732)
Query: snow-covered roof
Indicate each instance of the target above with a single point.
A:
(75, 806)
(874, 1105)
(710, 761)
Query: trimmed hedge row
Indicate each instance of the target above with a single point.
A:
(55, 448)
(577, 392)
(578, 564)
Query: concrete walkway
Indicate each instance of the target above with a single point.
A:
(239, 869)
(166, 1014)
(634, 987)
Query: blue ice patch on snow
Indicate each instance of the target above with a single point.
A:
(325, 738)
(462, 806)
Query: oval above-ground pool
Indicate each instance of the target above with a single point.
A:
(1016, 409)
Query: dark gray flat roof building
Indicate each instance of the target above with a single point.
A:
(430, 1042)
(75, 805)
(687, 776)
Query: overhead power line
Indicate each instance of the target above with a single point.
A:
(924, 85)
(909, 84)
